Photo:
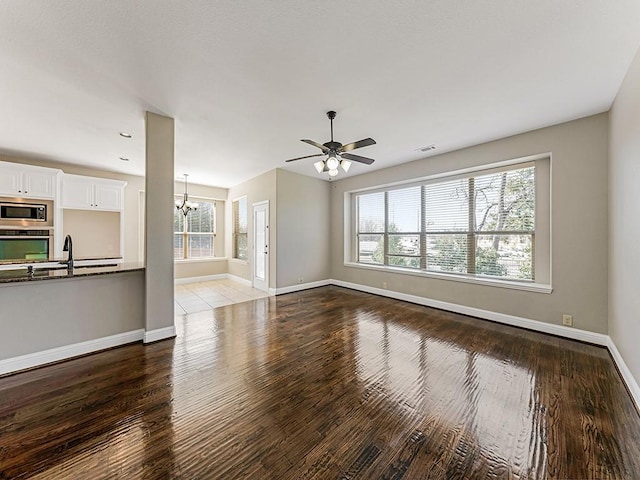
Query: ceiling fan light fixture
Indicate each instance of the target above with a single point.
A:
(332, 162)
(319, 166)
(345, 164)
(333, 172)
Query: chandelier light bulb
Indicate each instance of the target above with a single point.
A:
(332, 162)
(333, 172)
(319, 166)
(345, 164)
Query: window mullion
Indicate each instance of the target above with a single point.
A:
(423, 228)
(471, 235)
(386, 229)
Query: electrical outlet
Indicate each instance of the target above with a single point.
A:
(384, 285)
(567, 320)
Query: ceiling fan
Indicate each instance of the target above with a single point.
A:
(337, 153)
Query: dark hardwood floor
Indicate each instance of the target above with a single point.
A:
(327, 383)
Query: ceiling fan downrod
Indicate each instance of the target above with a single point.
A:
(331, 114)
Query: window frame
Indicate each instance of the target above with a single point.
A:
(542, 163)
(235, 235)
(185, 233)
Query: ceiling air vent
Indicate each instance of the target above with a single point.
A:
(428, 148)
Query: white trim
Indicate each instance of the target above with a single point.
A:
(271, 292)
(159, 334)
(203, 278)
(240, 280)
(66, 352)
(527, 286)
(560, 330)
(627, 376)
(302, 286)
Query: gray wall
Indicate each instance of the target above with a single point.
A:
(40, 315)
(303, 227)
(624, 219)
(579, 152)
(159, 206)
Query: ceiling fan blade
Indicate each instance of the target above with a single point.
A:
(316, 144)
(357, 158)
(359, 144)
(308, 156)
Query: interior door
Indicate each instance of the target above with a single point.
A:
(261, 246)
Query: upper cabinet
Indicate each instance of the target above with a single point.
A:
(91, 193)
(27, 181)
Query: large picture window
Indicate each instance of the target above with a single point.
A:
(481, 224)
(239, 207)
(193, 235)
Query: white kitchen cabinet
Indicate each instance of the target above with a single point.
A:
(91, 193)
(27, 181)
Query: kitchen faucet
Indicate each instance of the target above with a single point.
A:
(68, 247)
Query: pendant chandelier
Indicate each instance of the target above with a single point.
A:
(185, 206)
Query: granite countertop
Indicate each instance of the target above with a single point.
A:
(79, 259)
(22, 275)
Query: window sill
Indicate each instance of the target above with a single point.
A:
(239, 261)
(526, 286)
(200, 260)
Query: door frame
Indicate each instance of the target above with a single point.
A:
(264, 286)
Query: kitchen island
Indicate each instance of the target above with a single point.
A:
(50, 314)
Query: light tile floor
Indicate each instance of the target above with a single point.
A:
(201, 296)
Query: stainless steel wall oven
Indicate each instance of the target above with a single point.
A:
(26, 229)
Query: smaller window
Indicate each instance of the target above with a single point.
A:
(240, 228)
(193, 235)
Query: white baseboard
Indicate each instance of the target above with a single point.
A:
(204, 278)
(632, 384)
(159, 334)
(302, 286)
(66, 352)
(560, 330)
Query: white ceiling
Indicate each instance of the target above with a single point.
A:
(246, 80)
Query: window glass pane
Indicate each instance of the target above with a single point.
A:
(371, 249)
(202, 219)
(507, 256)
(371, 212)
(178, 251)
(200, 245)
(404, 244)
(240, 215)
(409, 262)
(447, 253)
(506, 201)
(447, 207)
(404, 210)
(241, 246)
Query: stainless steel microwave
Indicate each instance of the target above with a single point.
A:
(21, 213)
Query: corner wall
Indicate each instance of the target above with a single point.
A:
(303, 229)
(579, 151)
(258, 189)
(624, 220)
